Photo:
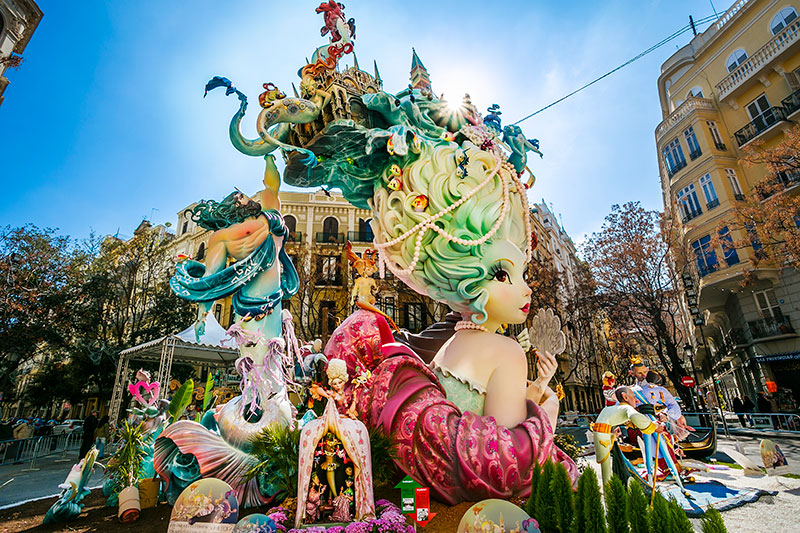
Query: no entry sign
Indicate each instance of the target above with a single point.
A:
(688, 381)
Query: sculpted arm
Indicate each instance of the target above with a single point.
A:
(505, 392)
(216, 258)
(272, 182)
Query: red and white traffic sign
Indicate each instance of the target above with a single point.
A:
(688, 381)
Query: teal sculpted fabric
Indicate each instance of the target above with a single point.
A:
(190, 284)
(465, 395)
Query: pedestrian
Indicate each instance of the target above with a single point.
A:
(23, 429)
(89, 425)
(765, 406)
(101, 435)
(738, 408)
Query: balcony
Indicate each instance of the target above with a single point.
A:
(737, 337)
(295, 236)
(689, 215)
(695, 154)
(712, 204)
(760, 124)
(770, 327)
(672, 170)
(691, 104)
(358, 236)
(791, 103)
(324, 237)
(720, 146)
(739, 197)
(759, 60)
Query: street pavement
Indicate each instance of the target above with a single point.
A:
(28, 485)
(31, 485)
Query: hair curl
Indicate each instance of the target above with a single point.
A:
(445, 270)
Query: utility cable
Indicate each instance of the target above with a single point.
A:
(638, 56)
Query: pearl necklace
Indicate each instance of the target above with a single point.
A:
(468, 324)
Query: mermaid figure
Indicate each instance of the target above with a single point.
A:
(253, 234)
(453, 225)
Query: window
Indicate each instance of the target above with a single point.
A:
(328, 270)
(291, 223)
(695, 92)
(218, 312)
(232, 317)
(706, 256)
(389, 307)
(728, 248)
(201, 251)
(688, 203)
(365, 231)
(734, 181)
(327, 310)
(691, 142)
(415, 317)
(673, 157)
(758, 107)
(715, 135)
(767, 303)
(330, 230)
(185, 228)
(755, 240)
(736, 59)
(784, 17)
(708, 190)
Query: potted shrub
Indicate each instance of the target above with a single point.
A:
(125, 469)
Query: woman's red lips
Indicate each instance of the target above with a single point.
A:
(526, 308)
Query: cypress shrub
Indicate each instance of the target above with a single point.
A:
(660, 516)
(561, 487)
(580, 496)
(616, 511)
(594, 520)
(530, 505)
(680, 522)
(545, 500)
(637, 509)
(712, 522)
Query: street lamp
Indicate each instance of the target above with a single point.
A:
(688, 352)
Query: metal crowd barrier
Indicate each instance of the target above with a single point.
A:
(19, 451)
(789, 422)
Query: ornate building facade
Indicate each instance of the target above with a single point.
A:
(734, 84)
(18, 21)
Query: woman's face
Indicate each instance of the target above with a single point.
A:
(509, 295)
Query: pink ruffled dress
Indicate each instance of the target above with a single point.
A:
(459, 455)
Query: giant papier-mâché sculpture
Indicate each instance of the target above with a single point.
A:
(451, 221)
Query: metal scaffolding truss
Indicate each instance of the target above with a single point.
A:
(209, 351)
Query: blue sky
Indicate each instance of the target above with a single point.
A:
(105, 124)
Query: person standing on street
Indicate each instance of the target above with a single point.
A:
(101, 436)
(89, 425)
(738, 407)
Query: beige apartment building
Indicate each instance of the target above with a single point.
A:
(18, 21)
(736, 83)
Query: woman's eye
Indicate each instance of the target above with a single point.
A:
(501, 276)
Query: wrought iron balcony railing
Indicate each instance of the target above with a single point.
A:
(737, 337)
(791, 103)
(738, 196)
(295, 236)
(720, 146)
(672, 170)
(359, 236)
(770, 327)
(712, 204)
(760, 124)
(689, 215)
(323, 237)
(695, 154)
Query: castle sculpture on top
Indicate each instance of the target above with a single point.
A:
(451, 221)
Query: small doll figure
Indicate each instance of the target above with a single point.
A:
(337, 379)
(420, 203)
(330, 465)
(315, 492)
(341, 504)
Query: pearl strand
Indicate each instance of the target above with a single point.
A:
(468, 324)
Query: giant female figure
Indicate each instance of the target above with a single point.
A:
(451, 221)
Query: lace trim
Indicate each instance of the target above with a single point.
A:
(477, 388)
